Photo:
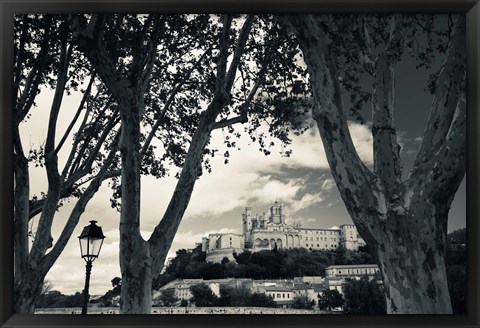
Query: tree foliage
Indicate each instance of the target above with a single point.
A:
(302, 302)
(168, 297)
(267, 264)
(329, 299)
(55, 299)
(364, 296)
(202, 295)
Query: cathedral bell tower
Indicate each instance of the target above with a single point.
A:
(276, 213)
(247, 225)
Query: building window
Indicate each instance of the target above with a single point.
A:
(318, 245)
(283, 295)
(278, 296)
(306, 245)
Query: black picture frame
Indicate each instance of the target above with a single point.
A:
(471, 8)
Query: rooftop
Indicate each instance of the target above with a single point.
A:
(354, 266)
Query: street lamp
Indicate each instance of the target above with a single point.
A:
(91, 240)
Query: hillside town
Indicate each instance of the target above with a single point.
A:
(282, 291)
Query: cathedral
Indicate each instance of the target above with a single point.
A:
(267, 231)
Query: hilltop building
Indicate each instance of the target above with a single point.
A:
(265, 232)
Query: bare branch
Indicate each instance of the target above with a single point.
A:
(68, 165)
(223, 56)
(77, 114)
(80, 206)
(43, 237)
(86, 166)
(239, 50)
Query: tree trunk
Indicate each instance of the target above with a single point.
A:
(135, 261)
(404, 223)
(410, 254)
(27, 291)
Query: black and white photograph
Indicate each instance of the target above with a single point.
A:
(240, 164)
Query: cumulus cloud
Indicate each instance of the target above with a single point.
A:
(304, 221)
(248, 176)
(363, 141)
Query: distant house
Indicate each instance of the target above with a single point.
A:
(338, 275)
(282, 295)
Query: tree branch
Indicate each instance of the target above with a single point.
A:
(439, 178)
(25, 100)
(243, 117)
(220, 85)
(43, 237)
(90, 41)
(80, 206)
(361, 190)
(19, 56)
(448, 91)
(77, 114)
(239, 50)
(150, 55)
(161, 239)
(86, 167)
(386, 150)
(21, 205)
(169, 101)
(362, 37)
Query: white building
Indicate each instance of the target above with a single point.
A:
(265, 232)
(338, 275)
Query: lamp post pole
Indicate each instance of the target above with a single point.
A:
(87, 286)
(91, 240)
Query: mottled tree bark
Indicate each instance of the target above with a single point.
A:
(404, 223)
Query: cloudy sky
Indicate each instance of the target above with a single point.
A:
(302, 182)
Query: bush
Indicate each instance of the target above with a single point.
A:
(302, 302)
